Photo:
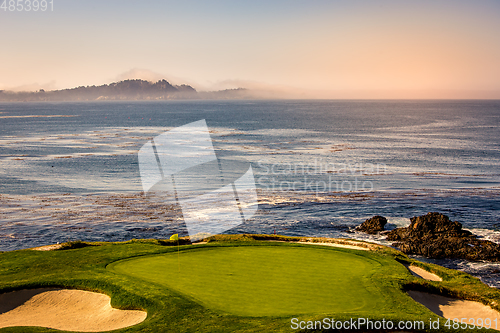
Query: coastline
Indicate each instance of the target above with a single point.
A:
(37, 220)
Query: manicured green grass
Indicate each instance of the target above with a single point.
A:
(266, 280)
(237, 283)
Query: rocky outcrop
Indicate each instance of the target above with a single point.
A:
(373, 225)
(435, 236)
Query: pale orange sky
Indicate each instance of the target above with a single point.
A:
(313, 49)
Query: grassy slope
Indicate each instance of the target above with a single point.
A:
(171, 311)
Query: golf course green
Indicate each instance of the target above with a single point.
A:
(238, 283)
(266, 280)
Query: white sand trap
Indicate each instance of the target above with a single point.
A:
(47, 247)
(451, 308)
(423, 274)
(346, 246)
(339, 242)
(64, 309)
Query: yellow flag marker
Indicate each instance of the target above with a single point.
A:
(176, 237)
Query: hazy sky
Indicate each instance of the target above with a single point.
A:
(335, 49)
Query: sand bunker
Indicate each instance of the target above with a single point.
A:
(64, 309)
(451, 308)
(47, 247)
(339, 242)
(423, 274)
(347, 246)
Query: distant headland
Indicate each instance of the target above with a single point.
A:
(125, 90)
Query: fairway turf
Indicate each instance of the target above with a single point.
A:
(265, 280)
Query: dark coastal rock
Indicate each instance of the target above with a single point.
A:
(435, 236)
(373, 225)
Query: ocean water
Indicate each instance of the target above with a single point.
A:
(70, 171)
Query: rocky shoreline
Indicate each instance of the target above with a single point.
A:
(435, 236)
